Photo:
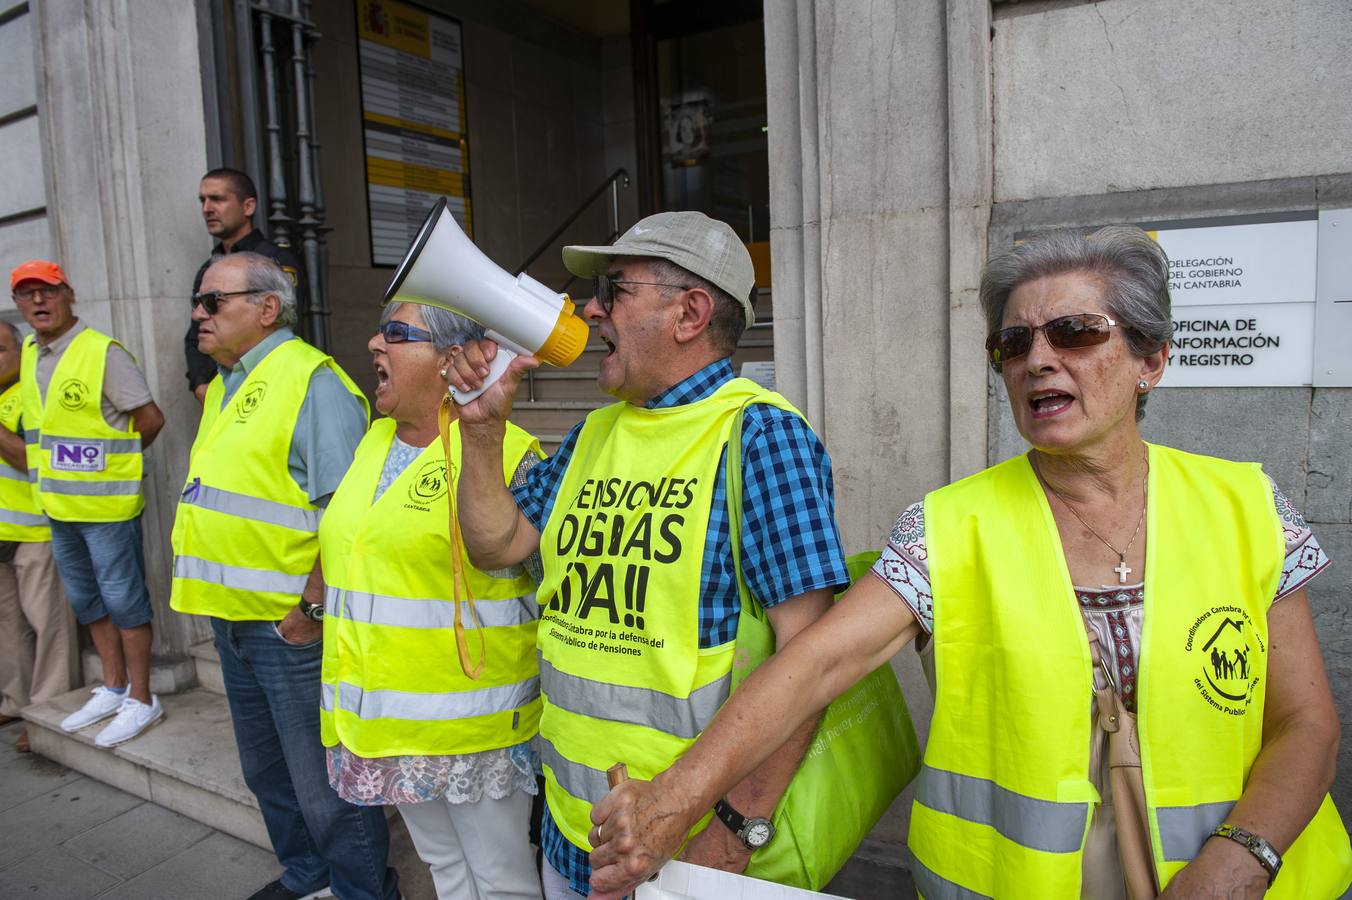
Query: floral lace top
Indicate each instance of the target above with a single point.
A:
(462, 778)
(1115, 612)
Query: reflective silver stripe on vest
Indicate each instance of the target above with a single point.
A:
(581, 781)
(382, 609)
(1036, 824)
(933, 886)
(89, 488)
(13, 474)
(420, 707)
(110, 445)
(12, 517)
(31, 435)
(255, 509)
(1183, 829)
(683, 718)
(257, 580)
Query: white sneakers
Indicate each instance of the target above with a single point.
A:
(133, 717)
(103, 703)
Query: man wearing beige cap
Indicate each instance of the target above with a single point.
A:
(88, 416)
(631, 519)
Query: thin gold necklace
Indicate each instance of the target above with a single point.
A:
(1122, 569)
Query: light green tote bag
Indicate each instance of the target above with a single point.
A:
(864, 752)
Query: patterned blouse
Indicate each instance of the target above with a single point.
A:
(459, 778)
(1115, 612)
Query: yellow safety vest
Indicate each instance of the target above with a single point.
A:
(391, 682)
(21, 516)
(1003, 801)
(245, 535)
(86, 470)
(623, 675)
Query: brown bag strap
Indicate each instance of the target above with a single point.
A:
(1109, 703)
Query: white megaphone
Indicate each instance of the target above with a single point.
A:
(444, 268)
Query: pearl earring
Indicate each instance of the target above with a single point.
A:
(1142, 384)
(442, 373)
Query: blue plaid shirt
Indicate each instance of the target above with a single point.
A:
(790, 542)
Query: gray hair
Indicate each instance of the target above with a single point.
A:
(728, 320)
(448, 329)
(1134, 267)
(264, 276)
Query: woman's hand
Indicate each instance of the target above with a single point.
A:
(1223, 869)
(639, 825)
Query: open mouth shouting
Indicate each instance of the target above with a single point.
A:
(1045, 404)
(382, 377)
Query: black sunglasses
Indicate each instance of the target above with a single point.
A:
(404, 333)
(1063, 333)
(211, 300)
(603, 289)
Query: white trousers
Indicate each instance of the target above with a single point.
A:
(476, 851)
(556, 886)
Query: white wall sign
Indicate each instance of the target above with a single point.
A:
(1243, 301)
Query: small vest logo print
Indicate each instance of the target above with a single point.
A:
(251, 400)
(428, 484)
(73, 394)
(77, 456)
(1222, 642)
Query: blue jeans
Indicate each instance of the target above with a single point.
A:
(319, 838)
(103, 570)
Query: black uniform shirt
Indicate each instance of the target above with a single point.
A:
(202, 368)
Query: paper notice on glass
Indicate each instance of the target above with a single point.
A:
(682, 881)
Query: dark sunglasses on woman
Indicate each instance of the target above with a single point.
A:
(404, 333)
(1064, 333)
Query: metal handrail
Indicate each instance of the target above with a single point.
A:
(617, 179)
(619, 176)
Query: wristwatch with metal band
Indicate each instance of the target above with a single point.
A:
(754, 833)
(1261, 849)
(313, 611)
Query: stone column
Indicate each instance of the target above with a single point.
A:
(120, 91)
(880, 192)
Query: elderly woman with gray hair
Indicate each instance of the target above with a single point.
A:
(430, 684)
(1094, 587)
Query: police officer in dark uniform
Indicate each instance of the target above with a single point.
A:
(228, 199)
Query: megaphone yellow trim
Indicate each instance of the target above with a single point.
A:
(568, 339)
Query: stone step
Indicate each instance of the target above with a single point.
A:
(168, 674)
(208, 665)
(186, 762)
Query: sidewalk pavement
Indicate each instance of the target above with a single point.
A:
(69, 837)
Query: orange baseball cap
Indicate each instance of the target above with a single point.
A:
(41, 269)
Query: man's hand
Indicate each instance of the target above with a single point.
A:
(470, 367)
(639, 826)
(200, 392)
(298, 628)
(716, 847)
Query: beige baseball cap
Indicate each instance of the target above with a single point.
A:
(707, 247)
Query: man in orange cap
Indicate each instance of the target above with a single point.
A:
(39, 654)
(88, 416)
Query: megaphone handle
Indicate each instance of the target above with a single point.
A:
(496, 369)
